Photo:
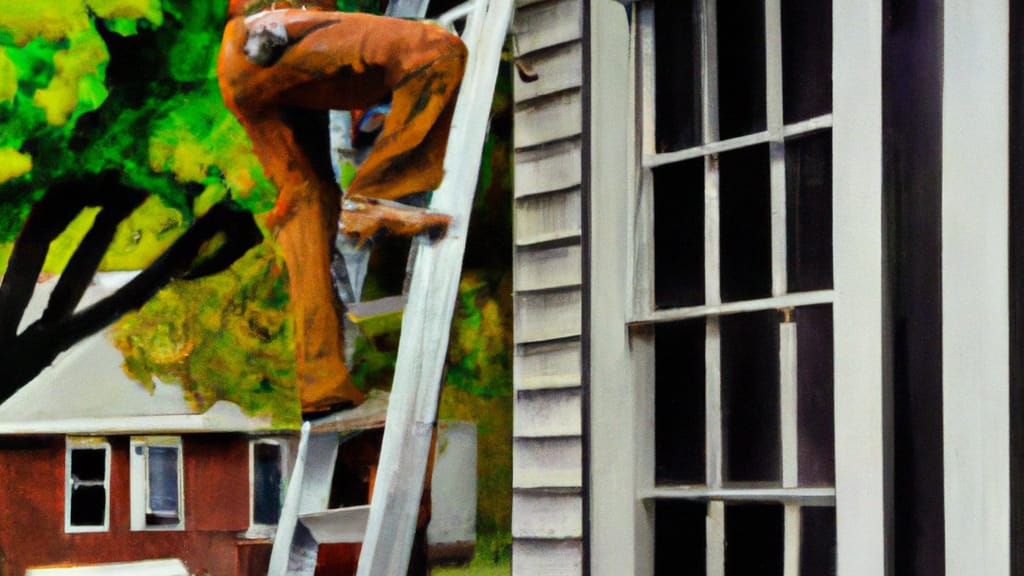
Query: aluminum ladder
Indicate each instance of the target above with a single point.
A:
(386, 527)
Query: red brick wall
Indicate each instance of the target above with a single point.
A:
(32, 507)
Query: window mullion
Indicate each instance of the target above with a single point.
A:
(788, 414)
(713, 399)
(788, 401)
(641, 257)
(716, 539)
(715, 530)
(791, 555)
(777, 149)
(709, 70)
(646, 66)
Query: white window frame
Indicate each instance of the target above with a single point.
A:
(975, 287)
(621, 289)
(258, 530)
(139, 470)
(89, 443)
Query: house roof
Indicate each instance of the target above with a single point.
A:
(86, 391)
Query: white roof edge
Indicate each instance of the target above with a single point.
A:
(166, 567)
(186, 423)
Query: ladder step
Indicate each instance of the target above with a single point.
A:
(370, 415)
(339, 525)
(378, 317)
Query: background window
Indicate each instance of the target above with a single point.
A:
(157, 491)
(267, 481)
(87, 486)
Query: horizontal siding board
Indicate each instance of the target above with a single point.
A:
(547, 268)
(548, 315)
(555, 215)
(548, 414)
(556, 166)
(536, 515)
(557, 69)
(548, 119)
(547, 463)
(547, 558)
(548, 365)
(539, 25)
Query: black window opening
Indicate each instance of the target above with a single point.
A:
(88, 486)
(267, 476)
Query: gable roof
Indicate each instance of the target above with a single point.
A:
(86, 391)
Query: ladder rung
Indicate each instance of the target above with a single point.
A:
(360, 311)
(370, 415)
(338, 525)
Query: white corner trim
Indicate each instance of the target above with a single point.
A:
(863, 492)
(975, 287)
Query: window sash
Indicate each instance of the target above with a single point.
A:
(157, 483)
(641, 311)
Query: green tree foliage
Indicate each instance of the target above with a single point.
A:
(89, 85)
(130, 85)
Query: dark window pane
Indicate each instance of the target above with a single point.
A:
(806, 59)
(809, 212)
(88, 505)
(750, 396)
(754, 540)
(679, 538)
(266, 506)
(679, 403)
(818, 541)
(741, 67)
(89, 464)
(677, 74)
(163, 485)
(679, 234)
(815, 398)
(746, 233)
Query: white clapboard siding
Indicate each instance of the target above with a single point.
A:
(547, 365)
(548, 119)
(556, 166)
(555, 515)
(556, 69)
(541, 558)
(542, 24)
(547, 315)
(547, 463)
(548, 217)
(547, 454)
(544, 269)
(548, 413)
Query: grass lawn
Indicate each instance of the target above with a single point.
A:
(493, 558)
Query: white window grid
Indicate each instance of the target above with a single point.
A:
(86, 443)
(139, 470)
(644, 314)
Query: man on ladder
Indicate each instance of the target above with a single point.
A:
(282, 66)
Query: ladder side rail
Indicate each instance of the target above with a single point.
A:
(290, 511)
(426, 323)
(407, 8)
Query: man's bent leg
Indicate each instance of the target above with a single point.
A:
(408, 156)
